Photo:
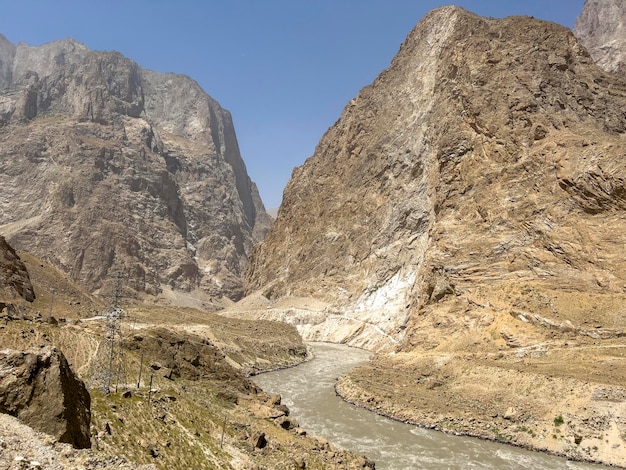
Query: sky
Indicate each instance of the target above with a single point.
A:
(285, 69)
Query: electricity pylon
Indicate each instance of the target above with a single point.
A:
(108, 366)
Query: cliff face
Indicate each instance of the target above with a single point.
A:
(465, 217)
(488, 155)
(14, 279)
(601, 27)
(107, 167)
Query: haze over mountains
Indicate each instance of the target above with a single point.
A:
(107, 167)
(464, 217)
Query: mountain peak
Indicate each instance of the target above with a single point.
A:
(139, 172)
(601, 27)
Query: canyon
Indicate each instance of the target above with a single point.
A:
(463, 219)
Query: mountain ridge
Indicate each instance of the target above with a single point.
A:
(95, 138)
(405, 165)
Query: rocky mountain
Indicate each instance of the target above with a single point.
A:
(466, 217)
(39, 387)
(106, 167)
(488, 153)
(601, 27)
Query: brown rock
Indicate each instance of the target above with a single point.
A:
(187, 356)
(462, 165)
(259, 441)
(39, 388)
(274, 399)
(14, 279)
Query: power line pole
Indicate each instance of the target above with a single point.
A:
(108, 362)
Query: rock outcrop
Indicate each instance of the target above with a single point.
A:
(107, 167)
(601, 27)
(490, 151)
(39, 388)
(14, 279)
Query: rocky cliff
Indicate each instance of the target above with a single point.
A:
(489, 152)
(107, 167)
(465, 216)
(601, 27)
(14, 279)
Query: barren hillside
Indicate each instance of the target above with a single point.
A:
(465, 215)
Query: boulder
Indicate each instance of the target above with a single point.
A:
(259, 440)
(40, 389)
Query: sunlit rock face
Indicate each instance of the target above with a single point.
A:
(601, 27)
(489, 154)
(14, 279)
(106, 167)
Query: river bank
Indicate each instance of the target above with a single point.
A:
(309, 392)
(491, 400)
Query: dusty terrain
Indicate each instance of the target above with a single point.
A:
(179, 393)
(550, 380)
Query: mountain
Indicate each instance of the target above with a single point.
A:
(601, 27)
(465, 217)
(488, 154)
(106, 167)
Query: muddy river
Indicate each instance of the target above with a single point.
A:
(308, 390)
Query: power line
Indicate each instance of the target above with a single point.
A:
(108, 364)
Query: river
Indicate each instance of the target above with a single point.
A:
(308, 390)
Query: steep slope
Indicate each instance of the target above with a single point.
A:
(489, 152)
(601, 27)
(15, 282)
(183, 401)
(466, 217)
(107, 167)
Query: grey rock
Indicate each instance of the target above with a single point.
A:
(601, 27)
(40, 389)
(14, 279)
(7, 54)
(132, 171)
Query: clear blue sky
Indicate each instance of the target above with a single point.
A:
(284, 68)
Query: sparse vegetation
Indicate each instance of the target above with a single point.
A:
(180, 424)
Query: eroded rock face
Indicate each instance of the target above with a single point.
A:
(131, 171)
(39, 388)
(601, 27)
(489, 152)
(14, 278)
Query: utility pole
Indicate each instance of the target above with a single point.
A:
(140, 369)
(51, 304)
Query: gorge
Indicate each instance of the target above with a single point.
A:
(464, 217)
(463, 220)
